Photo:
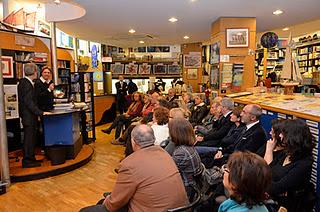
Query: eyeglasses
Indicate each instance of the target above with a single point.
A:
(225, 168)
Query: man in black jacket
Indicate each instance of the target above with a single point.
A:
(29, 113)
(122, 88)
(222, 126)
(44, 90)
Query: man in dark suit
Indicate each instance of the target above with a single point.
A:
(221, 127)
(44, 90)
(253, 135)
(122, 88)
(29, 113)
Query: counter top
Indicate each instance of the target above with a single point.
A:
(62, 111)
(296, 105)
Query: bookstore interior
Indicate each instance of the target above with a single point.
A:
(269, 57)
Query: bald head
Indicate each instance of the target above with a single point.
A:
(143, 135)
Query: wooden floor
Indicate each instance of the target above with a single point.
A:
(70, 191)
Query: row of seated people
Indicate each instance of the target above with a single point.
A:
(245, 134)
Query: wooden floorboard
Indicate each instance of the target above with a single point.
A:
(70, 191)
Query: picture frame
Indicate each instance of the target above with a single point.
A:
(237, 38)
(192, 73)
(131, 68)
(7, 66)
(174, 69)
(192, 61)
(160, 69)
(144, 68)
(214, 53)
(117, 68)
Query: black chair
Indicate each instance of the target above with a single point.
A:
(193, 204)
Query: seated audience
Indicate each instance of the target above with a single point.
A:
(211, 120)
(247, 178)
(291, 172)
(171, 95)
(214, 136)
(148, 179)
(160, 124)
(199, 110)
(188, 100)
(125, 119)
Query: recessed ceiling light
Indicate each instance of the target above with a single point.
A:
(277, 12)
(141, 41)
(57, 2)
(173, 19)
(132, 31)
(285, 29)
(186, 37)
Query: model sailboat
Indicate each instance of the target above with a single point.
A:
(290, 74)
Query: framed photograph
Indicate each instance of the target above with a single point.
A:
(11, 101)
(7, 66)
(192, 73)
(117, 68)
(237, 37)
(192, 61)
(160, 69)
(144, 68)
(131, 68)
(174, 69)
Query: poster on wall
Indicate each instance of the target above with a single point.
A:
(237, 77)
(7, 66)
(160, 69)
(174, 69)
(226, 75)
(117, 68)
(215, 53)
(11, 101)
(192, 74)
(214, 76)
(144, 68)
(131, 68)
(192, 60)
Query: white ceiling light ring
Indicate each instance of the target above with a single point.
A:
(277, 12)
(173, 19)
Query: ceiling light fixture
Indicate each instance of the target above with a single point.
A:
(173, 19)
(141, 41)
(132, 31)
(277, 12)
(57, 2)
(285, 29)
(186, 37)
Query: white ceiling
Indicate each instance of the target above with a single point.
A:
(108, 21)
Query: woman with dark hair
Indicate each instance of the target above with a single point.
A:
(133, 111)
(160, 124)
(185, 155)
(246, 178)
(291, 171)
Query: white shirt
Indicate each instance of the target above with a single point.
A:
(30, 80)
(251, 125)
(161, 133)
(225, 115)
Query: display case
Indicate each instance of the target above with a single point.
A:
(82, 91)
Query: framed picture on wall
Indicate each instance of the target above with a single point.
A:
(160, 69)
(174, 69)
(7, 66)
(131, 68)
(237, 37)
(192, 73)
(192, 60)
(144, 68)
(117, 68)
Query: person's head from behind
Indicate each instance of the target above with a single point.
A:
(217, 99)
(161, 115)
(250, 114)
(297, 139)
(163, 103)
(31, 71)
(181, 132)
(227, 105)
(175, 113)
(235, 115)
(46, 73)
(142, 136)
(247, 177)
(276, 130)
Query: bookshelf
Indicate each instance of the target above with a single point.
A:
(82, 91)
(63, 80)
